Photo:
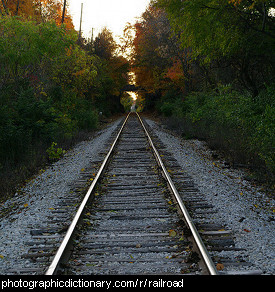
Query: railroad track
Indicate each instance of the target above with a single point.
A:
(134, 217)
(130, 225)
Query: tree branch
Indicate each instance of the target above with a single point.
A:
(208, 7)
(5, 7)
(17, 7)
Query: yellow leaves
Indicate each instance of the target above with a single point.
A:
(82, 169)
(43, 93)
(87, 222)
(26, 205)
(1, 256)
(42, 171)
(172, 233)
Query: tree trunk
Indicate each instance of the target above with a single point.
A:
(17, 7)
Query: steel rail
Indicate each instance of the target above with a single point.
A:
(60, 254)
(187, 218)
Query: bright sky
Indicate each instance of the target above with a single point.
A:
(114, 14)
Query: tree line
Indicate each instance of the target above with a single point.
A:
(209, 66)
(53, 84)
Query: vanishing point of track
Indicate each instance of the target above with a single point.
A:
(131, 225)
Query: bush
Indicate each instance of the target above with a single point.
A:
(44, 76)
(231, 121)
(55, 153)
(167, 109)
(50, 88)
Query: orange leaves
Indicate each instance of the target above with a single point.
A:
(175, 73)
(219, 267)
(81, 72)
(239, 2)
(235, 2)
(40, 11)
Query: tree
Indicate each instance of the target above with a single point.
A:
(106, 48)
(158, 61)
(40, 11)
(151, 49)
(237, 33)
(105, 45)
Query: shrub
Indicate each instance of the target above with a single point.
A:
(55, 153)
(235, 122)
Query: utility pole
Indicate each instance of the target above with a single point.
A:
(92, 40)
(64, 9)
(79, 36)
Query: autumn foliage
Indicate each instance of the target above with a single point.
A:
(39, 11)
(53, 84)
(209, 66)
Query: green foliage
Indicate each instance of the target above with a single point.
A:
(220, 28)
(242, 127)
(238, 35)
(55, 153)
(211, 69)
(24, 46)
(50, 89)
(127, 102)
(263, 138)
(74, 70)
(167, 109)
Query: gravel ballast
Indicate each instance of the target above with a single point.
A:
(241, 206)
(29, 207)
